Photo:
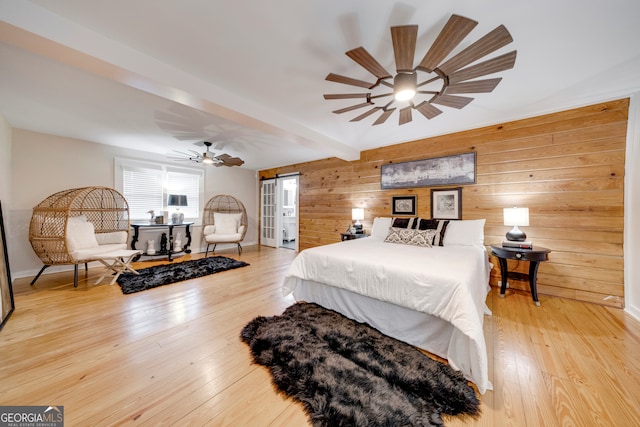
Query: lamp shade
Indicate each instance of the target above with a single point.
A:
(177, 200)
(404, 86)
(516, 216)
(357, 214)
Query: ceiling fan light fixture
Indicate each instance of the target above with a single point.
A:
(207, 160)
(404, 86)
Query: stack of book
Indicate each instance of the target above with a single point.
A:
(521, 245)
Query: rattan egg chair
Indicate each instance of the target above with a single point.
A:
(220, 206)
(105, 208)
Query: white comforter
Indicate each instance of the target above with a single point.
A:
(448, 282)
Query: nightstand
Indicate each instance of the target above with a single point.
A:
(534, 256)
(352, 236)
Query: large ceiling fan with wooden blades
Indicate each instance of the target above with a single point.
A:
(438, 79)
(207, 158)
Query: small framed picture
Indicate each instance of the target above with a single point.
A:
(403, 205)
(446, 203)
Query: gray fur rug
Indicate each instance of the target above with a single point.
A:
(165, 274)
(346, 373)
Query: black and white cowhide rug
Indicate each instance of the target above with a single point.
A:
(166, 274)
(347, 373)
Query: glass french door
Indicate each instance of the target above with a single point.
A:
(279, 225)
(269, 226)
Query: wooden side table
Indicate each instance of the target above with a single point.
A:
(534, 256)
(352, 236)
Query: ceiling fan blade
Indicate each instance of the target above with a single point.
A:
(405, 115)
(353, 107)
(454, 31)
(365, 114)
(227, 160)
(475, 86)
(178, 158)
(451, 101)
(384, 116)
(234, 161)
(346, 95)
(491, 42)
(493, 65)
(349, 81)
(404, 46)
(428, 110)
(366, 61)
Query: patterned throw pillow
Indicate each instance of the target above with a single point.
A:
(440, 225)
(396, 235)
(422, 238)
(406, 236)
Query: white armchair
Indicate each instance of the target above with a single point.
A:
(225, 221)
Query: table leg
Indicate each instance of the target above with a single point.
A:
(110, 270)
(170, 256)
(533, 272)
(119, 265)
(135, 237)
(188, 235)
(505, 275)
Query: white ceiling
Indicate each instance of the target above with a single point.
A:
(161, 75)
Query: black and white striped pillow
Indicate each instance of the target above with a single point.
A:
(440, 225)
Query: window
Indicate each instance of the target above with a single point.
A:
(146, 186)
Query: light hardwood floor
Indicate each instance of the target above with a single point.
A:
(172, 355)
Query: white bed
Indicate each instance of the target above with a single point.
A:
(430, 297)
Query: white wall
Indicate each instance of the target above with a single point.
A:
(5, 183)
(5, 162)
(632, 212)
(43, 164)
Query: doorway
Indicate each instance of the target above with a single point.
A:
(279, 225)
(289, 205)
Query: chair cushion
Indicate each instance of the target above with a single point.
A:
(223, 238)
(96, 252)
(111, 237)
(226, 223)
(80, 234)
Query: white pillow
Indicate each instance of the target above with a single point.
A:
(226, 223)
(80, 234)
(466, 233)
(111, 237)
(381, 227)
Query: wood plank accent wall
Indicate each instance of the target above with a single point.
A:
(566, 167)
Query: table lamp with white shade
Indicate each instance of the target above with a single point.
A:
(357, 214)
(516, 217)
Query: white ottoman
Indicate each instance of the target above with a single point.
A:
(117, 262)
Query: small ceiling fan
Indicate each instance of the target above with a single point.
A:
(433, 80)
(207, 158)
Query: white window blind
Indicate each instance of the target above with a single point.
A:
(189, 185)
(147, 185)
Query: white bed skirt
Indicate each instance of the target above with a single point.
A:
(422, 330)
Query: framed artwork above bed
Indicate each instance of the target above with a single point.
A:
(447, 170)
(446, 203)
(403, 205)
